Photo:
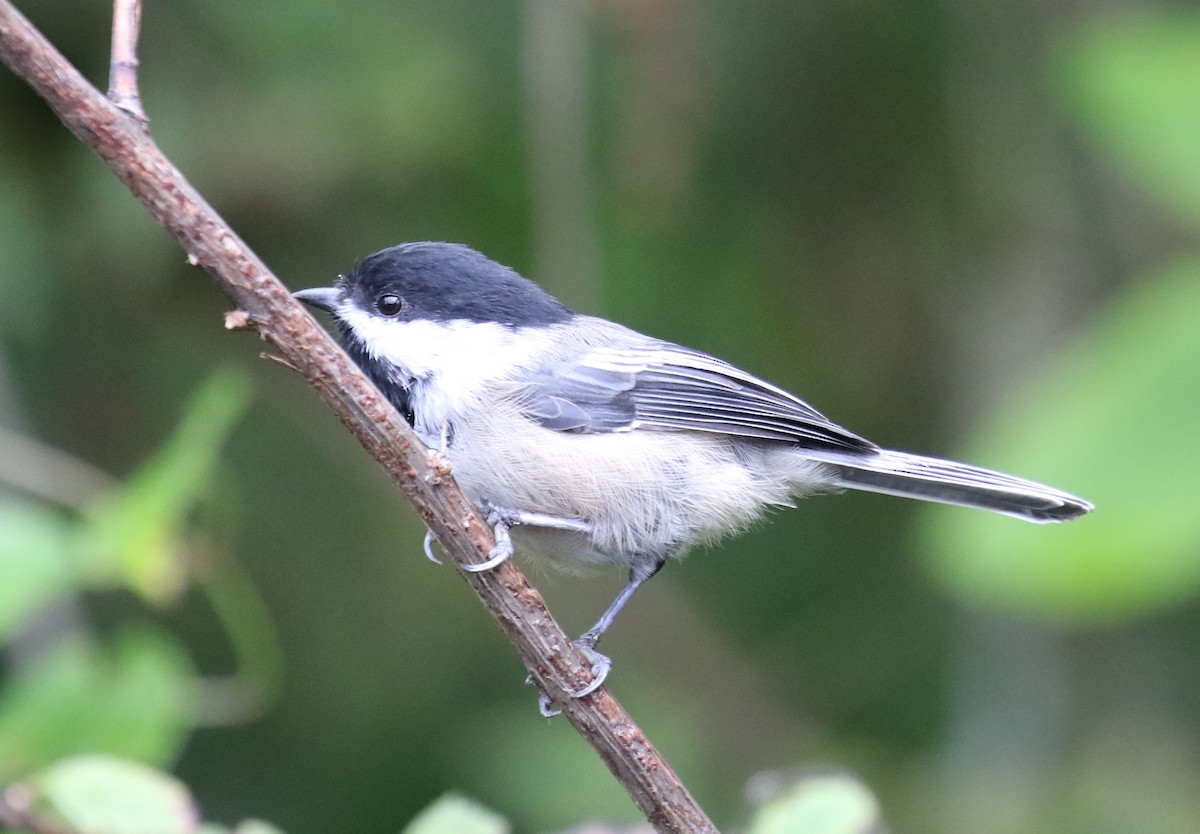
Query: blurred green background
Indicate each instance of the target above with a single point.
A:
(964, 228)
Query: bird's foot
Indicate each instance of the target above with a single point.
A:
(503, 519)
(601, 665)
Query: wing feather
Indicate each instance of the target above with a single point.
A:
(669, 388)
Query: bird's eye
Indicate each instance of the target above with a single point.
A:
(389, 304)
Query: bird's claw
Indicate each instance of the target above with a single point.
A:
(500, 522)
(546, 707)
(428, 547)
(503, 519)
(500, 553)
(601, 665)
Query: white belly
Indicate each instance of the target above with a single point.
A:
(645, 493)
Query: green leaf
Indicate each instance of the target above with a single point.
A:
(136, 535)
(134, 699)
(1132, 82)
(33, 562)
(1115, 420)
(106, 795)
(244, 827)
(457, 815)
(822, 804)
(256, 827)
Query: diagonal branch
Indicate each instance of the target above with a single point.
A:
(265, 306)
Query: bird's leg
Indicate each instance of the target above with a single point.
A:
(591, 637)
(586, 643)
(503, 519)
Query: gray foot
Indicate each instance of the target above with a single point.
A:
(503, 519)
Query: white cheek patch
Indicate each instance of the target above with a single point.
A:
(450, 361)
(420, 348)
(425, 348)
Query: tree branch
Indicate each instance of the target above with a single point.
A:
(265, 306)
(39, 469)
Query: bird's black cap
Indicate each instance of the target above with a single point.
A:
(447, 282)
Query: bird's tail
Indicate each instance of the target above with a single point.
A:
(948, 482)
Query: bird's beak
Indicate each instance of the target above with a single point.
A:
(323, 298)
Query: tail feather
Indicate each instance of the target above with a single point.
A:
(949, 482)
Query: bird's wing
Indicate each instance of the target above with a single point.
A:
(661, 386)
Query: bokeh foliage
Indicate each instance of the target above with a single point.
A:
(1129, 389)
(964, 229)
(72, 689)
(1118, 410)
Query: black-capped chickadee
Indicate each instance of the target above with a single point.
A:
(597, 444)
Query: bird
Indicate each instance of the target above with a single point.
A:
(584, 442)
